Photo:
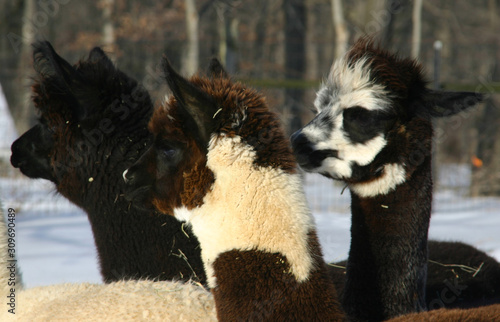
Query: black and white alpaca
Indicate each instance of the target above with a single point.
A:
(93, 125)
(238, 187)
(373, 131)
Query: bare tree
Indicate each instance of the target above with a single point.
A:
(228, 36)
(108, 30)
(22, 111)
(191, 60)
(417, 28)
(341, 31)
(295, 59)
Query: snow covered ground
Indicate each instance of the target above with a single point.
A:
(55, 244)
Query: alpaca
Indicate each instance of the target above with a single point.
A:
(93, 125)
(242, 195)
(461, 288)
(373, 131)
(484, 313)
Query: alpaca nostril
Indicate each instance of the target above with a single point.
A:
(301, 145)
(16, 161)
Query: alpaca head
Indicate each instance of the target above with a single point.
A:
(173, 173)
(373, 124)
(91, 116)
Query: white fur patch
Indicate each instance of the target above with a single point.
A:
(394, 174)
(348, 86)
(251, 208)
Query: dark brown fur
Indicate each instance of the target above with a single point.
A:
(254, 287)
(196, 180)
(485, 313)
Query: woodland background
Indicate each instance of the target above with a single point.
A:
(283, 47)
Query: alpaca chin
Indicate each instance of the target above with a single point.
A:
(392, 176)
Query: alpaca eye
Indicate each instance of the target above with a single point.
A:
(358, 115)
(168, 152)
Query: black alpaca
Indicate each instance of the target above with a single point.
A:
(93, 126)
(374, 132)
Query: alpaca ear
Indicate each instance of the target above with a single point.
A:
(97, 55)
(48, 63)
(196, 103)
(443, 103)
(53, 68)
(216, 70)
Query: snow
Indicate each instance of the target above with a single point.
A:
(55, 244)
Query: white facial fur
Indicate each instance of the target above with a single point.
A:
(250, 208)
(348, 87)
(393, 175)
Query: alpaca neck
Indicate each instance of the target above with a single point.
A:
(131, 243)
(259, 246)
(387, 263)
(138, 243)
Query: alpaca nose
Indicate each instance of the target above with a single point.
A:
(302, 147)
(306, 154)
(300, 141)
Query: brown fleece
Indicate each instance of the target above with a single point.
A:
(258, 286)
(480, 314)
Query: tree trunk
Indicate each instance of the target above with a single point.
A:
(228, 39)
(417, 28)
(191, 60)
(295, 57)
(392, 8)
(341, 32)
(261, 27)
(22, 111)
(108, 30)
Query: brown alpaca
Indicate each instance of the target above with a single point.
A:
(241, 193)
